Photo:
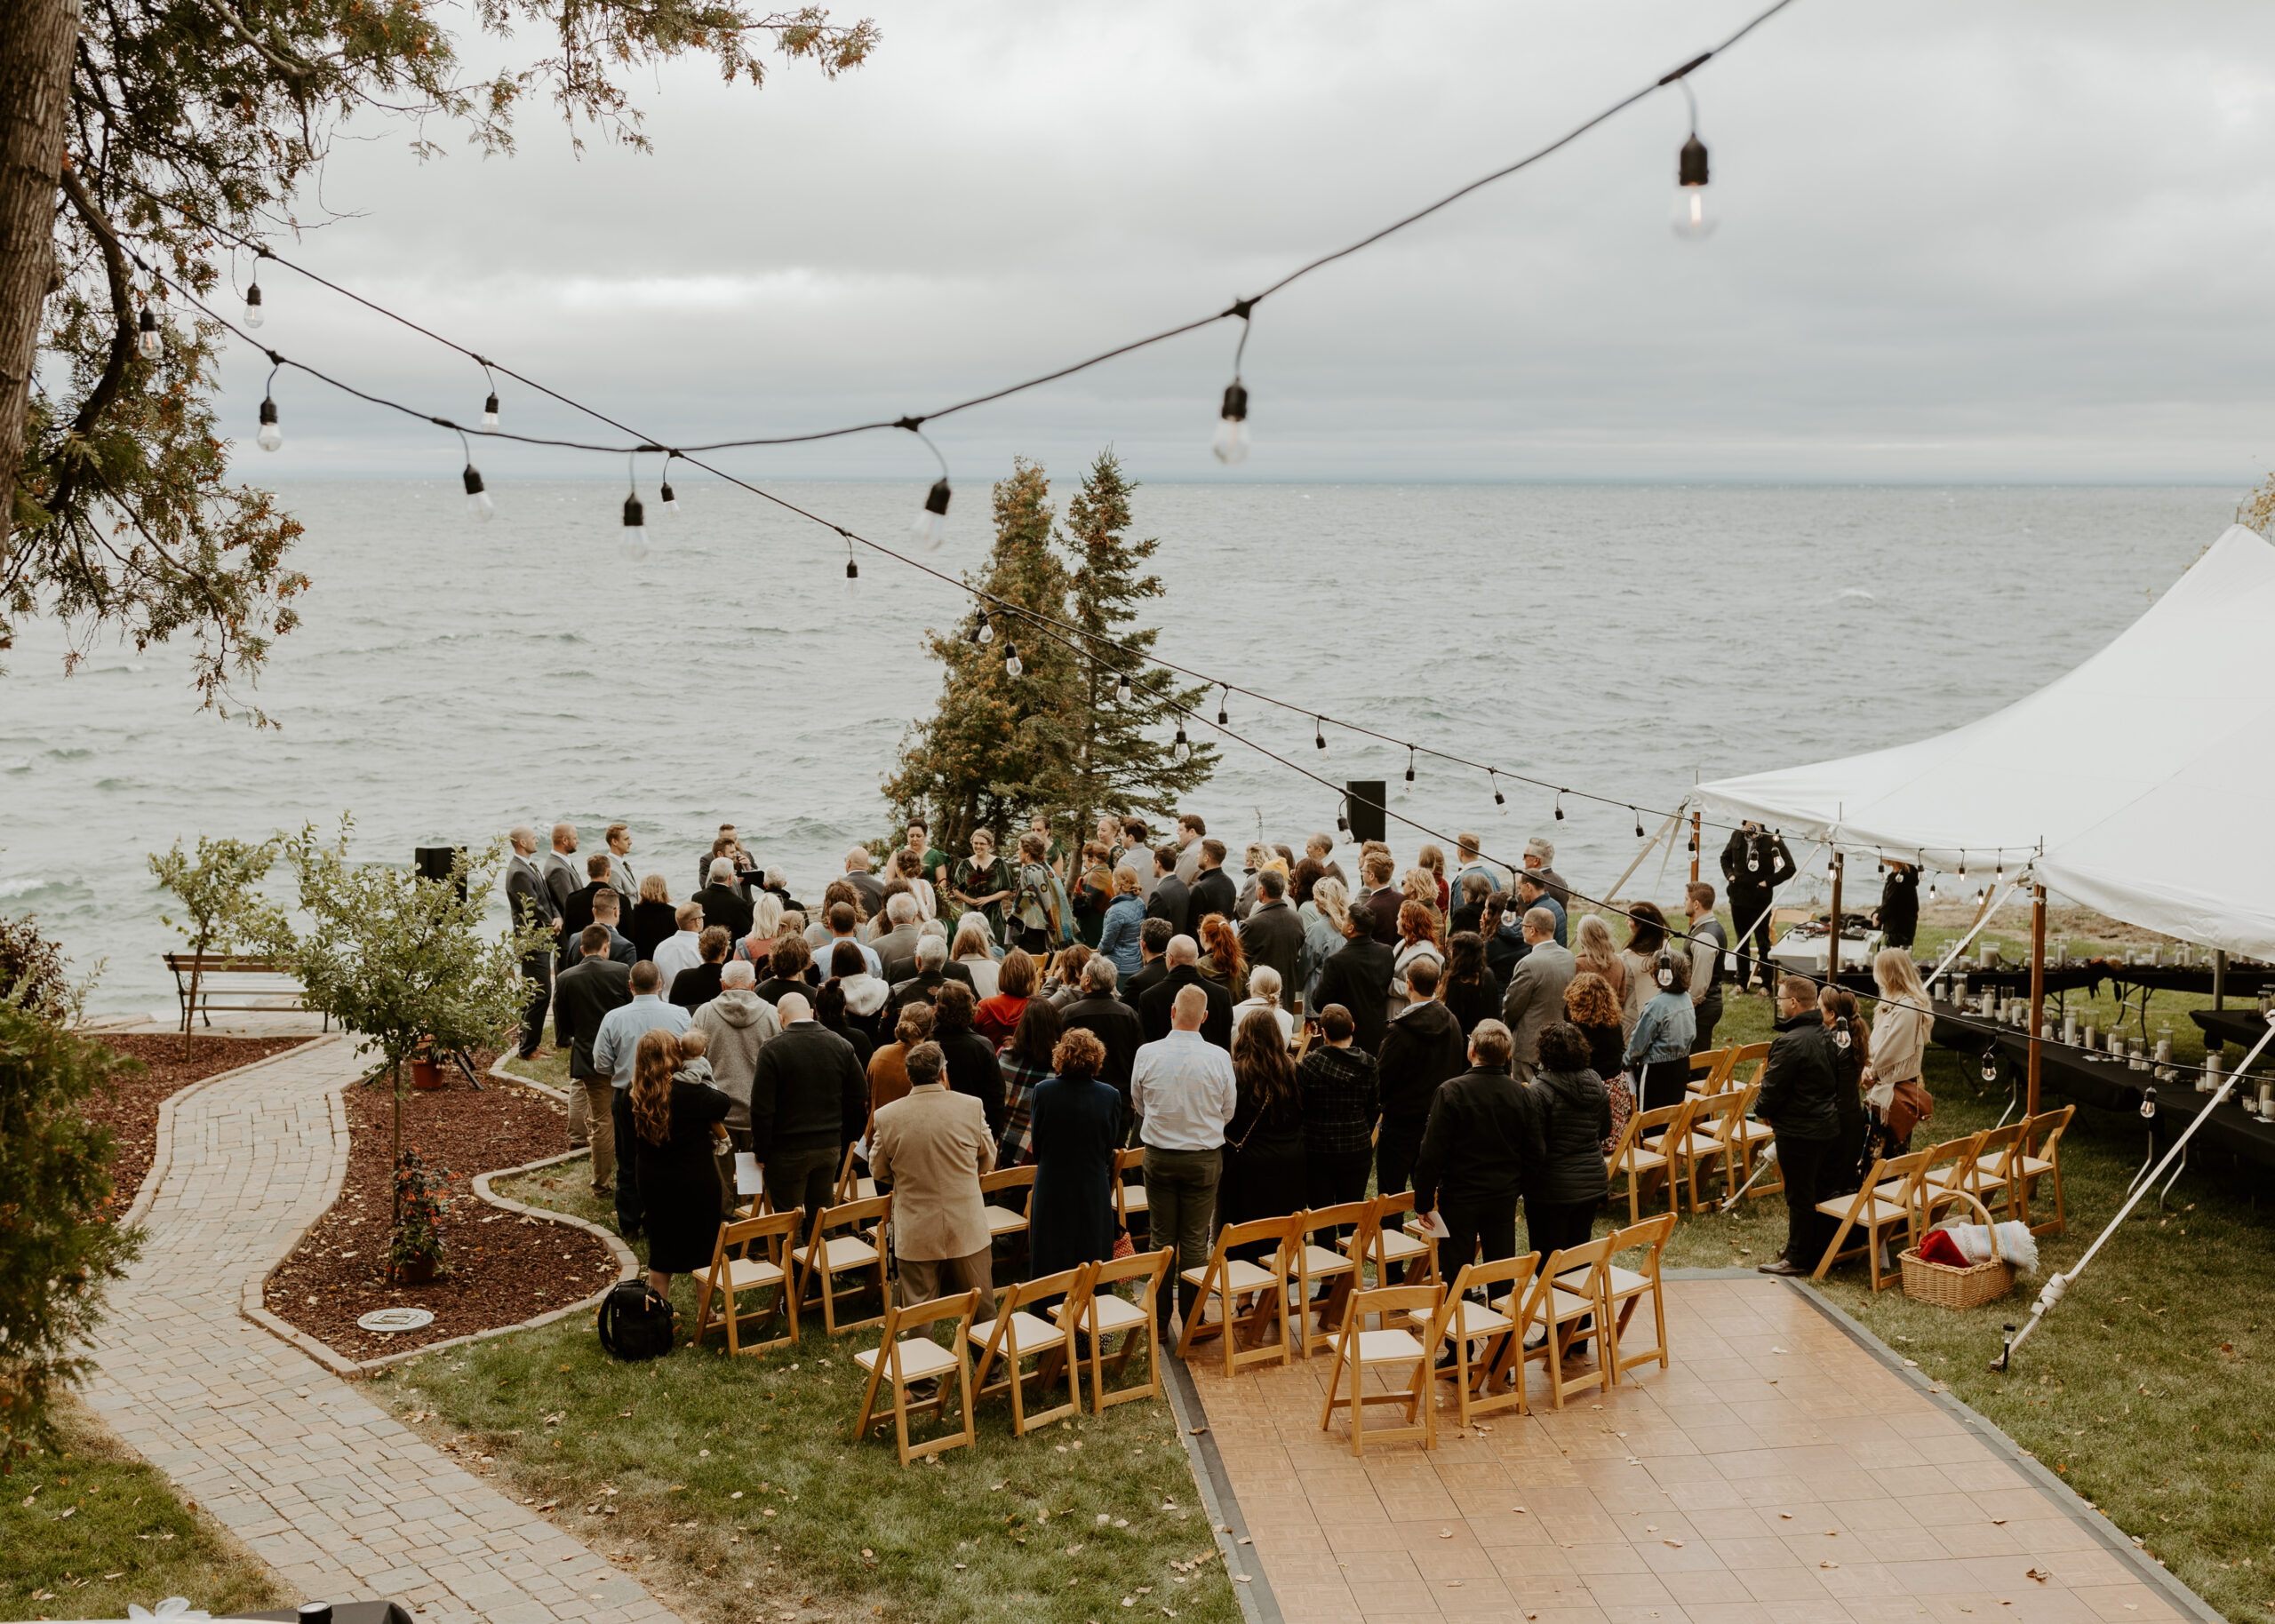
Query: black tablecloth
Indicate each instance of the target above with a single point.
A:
(2241, 1026)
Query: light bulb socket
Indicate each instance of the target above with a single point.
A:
(1690, 168)
(666, 494)
(150, 323)
(268, 409)
(936, 500)
(635, 517)
(1235, 409)
(473, 480)
(852, 571)
(252, 297)
(488, 407)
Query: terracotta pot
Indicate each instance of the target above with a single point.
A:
(418, 1272)
(426, 1076)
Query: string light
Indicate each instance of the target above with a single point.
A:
(1011, 665)
(983, 631)
(634, 546)
(1319, 734)
(1691, 220)
(664, 489)
(1224, 717)
(1409, 764)
(1121, 690)
(254, 314)
(272, 434)
(1499, 799)
(1231, 441)
(1639, 821)
(1560, 806)
(477, 500)
(489, 401)
(852, 568)
(150, 341)
(931, 526)
(1181, 751)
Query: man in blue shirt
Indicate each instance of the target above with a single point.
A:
(614, 1046)
(1533, 893)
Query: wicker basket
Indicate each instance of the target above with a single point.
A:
(1959, 1288)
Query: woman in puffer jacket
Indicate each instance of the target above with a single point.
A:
(1125, 920)
(1564, 1190)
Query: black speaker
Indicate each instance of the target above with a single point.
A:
(1366, 811)
(434, 863)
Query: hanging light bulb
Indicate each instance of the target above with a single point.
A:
(478, 505)
(671, 502)
(1011, 664)
(150, 341)
(1121, 690)
(1223, 699)
(852, 579)
(983, 632)
(931, 526)
(1560, 806)
(270, 436)
(1182, 750)
(254, 314)
(1499, 799)
(1639, 821)
(635, 543)
(1319, 732)
(1231, 443)
(1989, 1065)
(1690, 217)
(489, 418)
(1962, 863)
(1409, 764)
(1342, 821)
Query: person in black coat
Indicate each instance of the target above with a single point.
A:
(698, 983)
(1153, 939)
(1075, 1127)
(1899, 915)
(1272, 934)
(1357, 975)
(1109, 1020)
(1183, 959)
(970, 1058)
(1481, 1138)
(934, 971)
(809, 1102)
(1754, 864)
(1170, 900)
(1263, 1162)
(654, 921)
(1567, 1182)
(1213, 891)
(1846, 1164)
(577, 908)
(1799, 1100)
(1466, 986)
(1424, 1046)
(678, 1171)
(721, 904)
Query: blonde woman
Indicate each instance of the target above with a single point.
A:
(1326, 920)
(1893, 1090)
(970, 950)
(1593, 951)
(1420, 886)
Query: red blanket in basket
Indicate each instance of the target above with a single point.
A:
(1939, 1248)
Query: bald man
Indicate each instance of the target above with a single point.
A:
(1181, 1088)
(1154, 1003)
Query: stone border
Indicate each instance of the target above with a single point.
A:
(1228, 1527)
(2071, 1504)
(161, 1152)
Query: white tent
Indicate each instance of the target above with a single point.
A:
(2142, 784)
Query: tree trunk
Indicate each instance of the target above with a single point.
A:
(36, 41)
(394, 1162)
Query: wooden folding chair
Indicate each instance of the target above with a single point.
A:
(829, 1256)
(1708, 1067)
(1692, 1140)
(734, 1270)
(1014, 1335)
(1358, 1349)
(1227, 1278)
(1748, 1134)
(1720, 1120)
(1315, 1264)
(852, 1189)
(1005, 1222)
(1946, 1169)
(1129, 1199)
(1385, 1244)
(1987, 1176)
(1624, 1290)
(1465, 1320)
(1873, 1213)
(1096, 1311)
(1636, 1157)
(903, 1360)
(1557, 1309)
(2030, 1166)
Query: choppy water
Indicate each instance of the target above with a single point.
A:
(452, 679)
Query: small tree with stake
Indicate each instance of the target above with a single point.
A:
(221, 907)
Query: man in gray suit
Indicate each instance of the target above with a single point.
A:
(1535, 989)
(531, 901)
(563, 876)
(621, 880)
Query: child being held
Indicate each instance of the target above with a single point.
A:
(694, 1044)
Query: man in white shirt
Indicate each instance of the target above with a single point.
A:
(614, 1046)
(684, 950)
(1182, 1089)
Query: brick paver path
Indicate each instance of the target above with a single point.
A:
(342, 1500)
(1777, 1472)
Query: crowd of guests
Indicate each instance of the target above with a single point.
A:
(1273, 1041)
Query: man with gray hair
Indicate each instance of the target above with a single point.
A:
(723, 904)
(533, 907)
(1153, 1007)
(1183, 1090)
(870, 888)
(1109, 1020)
(809, 1100)
(683, 950)
(931, 1145)
(1539, 853)
(738, 1023)
(895, 942)
(1535, 995)
(932, 972)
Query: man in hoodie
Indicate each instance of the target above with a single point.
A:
(1422, 1048)
(1797, 1099)
(1272, 934)
(738, 1023)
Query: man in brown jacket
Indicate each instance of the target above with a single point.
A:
(931, 1145)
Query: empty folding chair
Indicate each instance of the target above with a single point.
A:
(1016, 1334)
(1226, 1279)
(901, 1361)
(1315, 1264)
(1394, 1348)
(1095, 1312)
(1571, 1286)
(1006, 1221)
(735, 1271)
(1624, 1289)
(1467, 1319)
(1383, 1241)
(2031, 1164)
(851, 1188)
(1129, 1197)
(1874, 1212)
(1637, 1157)
(825, 1255)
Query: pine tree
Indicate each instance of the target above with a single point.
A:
(1123, 758)
(999, 746)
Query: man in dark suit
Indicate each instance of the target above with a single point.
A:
(933, 972)
(1153, 1009)
(1272, 934)
(620, 947)
(1357, 975)
(577, 911)
(1153, 942)
(1380, 905)
(584, 994)
(1213, 888)
(721, 904)
(808, 1101)
(1171, 899)
(1109, 1021)
(531, 902)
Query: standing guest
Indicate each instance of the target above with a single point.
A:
(560, 868)
(933, 972)
(1152, 970)
(1647, 939)
(1846, 1164)
(1471, 857)
(1797, 1101)
(1076, 1128)
(1222, 962)
(1594, 954)
(1708, 943)
(682, 950)
(1594, 1012)
(1658, 1054)
(1469, 911)
(842, 924)
(1419, 887)
(1431, 858)
(1272, 935)
(1170, 898)
(1382, 900)
(736, 1025)
(983, 883)
(1182, 1088)
(1031, 912)
(1108, 835)
(699, 982)
(1535, 995)
(1326, 917)
(1191, 826)
(1531, 894)
(1252, 863)
(621, 875)
(867, 885)
(1054, 849)
(1539, 854)
(1301, 879)
(1567, 1182)
(1064, 983)
(971, 952)
(1263, 1172)
(786, 970)
(620, 947)
(908, 866)
(1893, 1091)
(865, 993)
(1213, 891)
(1480, 1142)
(1124, 920)
(972, 1063)
(533, 907)
(931, 1146)
(1155, 1008)
(1342, 1094)
(1501, 925)
(1468, 987)
(721, 902)
(808, 1103)
(1417, 943)
(836, 892)
(1899, 912)
(577, 912)
(895, 949)
(723, 845)
(583, 997)
(1093, 894)
(829, 1009)
(1754, 864)
(1025, 1062)
(1264, 993)
(998, 1017)
(672, 1114)
(654, 921)
(1358, 978)
(1105, 1017)
(1424, 1046)
(888, 1066)
(1138, 852)
(613, 1049)
(931, 863)
(757, 948)
(1320, 849)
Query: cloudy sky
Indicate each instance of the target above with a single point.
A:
(2027, 241)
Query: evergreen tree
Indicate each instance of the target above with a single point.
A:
(999, 746)
(1123, 758)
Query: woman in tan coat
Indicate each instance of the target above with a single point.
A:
(1893, 1092)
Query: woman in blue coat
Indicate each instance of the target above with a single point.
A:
(1125, 919)
(1075, 1127)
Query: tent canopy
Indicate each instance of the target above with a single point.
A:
(2142, 784)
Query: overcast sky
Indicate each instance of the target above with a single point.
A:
(2027, 241)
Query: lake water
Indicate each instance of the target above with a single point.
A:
(452, 679)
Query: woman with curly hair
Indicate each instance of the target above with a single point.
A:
(678, 1173)
(1417, 938)
(1222, 960)
(1590, 1005)
(1075, 1127)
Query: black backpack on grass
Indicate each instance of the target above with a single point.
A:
(634, 1323)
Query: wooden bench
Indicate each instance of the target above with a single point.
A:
(265, 984)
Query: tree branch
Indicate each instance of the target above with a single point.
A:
(122, 344)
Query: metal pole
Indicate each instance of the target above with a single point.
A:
(2037, 988)
(2219, 978)
(1693, 848)
(1833, 951)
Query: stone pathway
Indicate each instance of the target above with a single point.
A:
(342, 1500)
(1778, 1472)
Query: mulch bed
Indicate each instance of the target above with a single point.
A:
(503, 1268)
(130, 1108)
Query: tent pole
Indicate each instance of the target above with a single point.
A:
(1833, 948)
(2219, 978)
(2036, 989)
(1693, 848)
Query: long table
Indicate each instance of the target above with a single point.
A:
(2241, 1026)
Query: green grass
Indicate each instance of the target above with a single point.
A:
(548, 1065)
(90, 1528)
(1008, 1528)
